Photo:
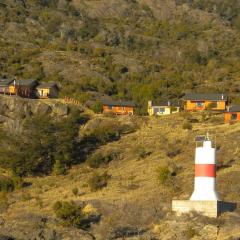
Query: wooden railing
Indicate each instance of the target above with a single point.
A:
(72, 101)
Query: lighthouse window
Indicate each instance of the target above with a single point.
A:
(234, 116)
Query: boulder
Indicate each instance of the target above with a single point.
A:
(60, 109)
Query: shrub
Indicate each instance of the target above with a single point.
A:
(173, 150)
(97, 159)
(69, 213)
(187, 126)
(163, 175)
(97, 107)
(142, 153)
(104, 133)
(190, 232)
(98, 181)
(75, 191)
(3, 202)
(58, 168)
(6, 184)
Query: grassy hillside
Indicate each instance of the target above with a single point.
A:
(66, 173)
(150, 167)
(126, 49)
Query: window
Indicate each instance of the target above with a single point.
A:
(212, 105)
(234, 116)
(110, 107)
(199, 104)
(161, 110)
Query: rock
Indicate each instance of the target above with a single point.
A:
(40, 108)
(60, 109)
(2, 237)
(125, 231)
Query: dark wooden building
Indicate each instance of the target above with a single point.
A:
(23, 88)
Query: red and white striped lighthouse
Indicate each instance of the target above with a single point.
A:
(205, 172)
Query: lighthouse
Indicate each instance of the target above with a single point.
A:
(205, 172)
(204, 199)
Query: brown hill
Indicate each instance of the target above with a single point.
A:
(134, 199)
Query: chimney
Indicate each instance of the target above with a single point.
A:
(169, 103)
(222, 96)
(150, 103)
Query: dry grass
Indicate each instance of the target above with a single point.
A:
(133, 179)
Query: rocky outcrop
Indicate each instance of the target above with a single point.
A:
(14, 110)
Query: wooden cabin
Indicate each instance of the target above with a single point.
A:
(47, 90)
(4, 85)
(118, 107)
(204, 101)
(23, 88)
(232, 114)
(162, 108)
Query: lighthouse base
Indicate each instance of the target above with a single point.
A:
(207, 208)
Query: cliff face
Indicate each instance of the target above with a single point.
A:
(15, 110)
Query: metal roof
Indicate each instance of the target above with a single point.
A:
(165, 104)
(118, 103)
(5, 82)
(205, 96)
(47, 85)
(235, 108)
(26, 82)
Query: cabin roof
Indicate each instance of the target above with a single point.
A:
(26, 82)
(235, 108)
(165, 104)
(5, 82)
(205, 96)
(118, 103)
(47, 85)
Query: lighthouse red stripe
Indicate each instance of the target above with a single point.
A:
(205, 170)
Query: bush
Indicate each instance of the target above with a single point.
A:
(6, 184)
(98, 181)
(69, 213)
(104, 133)
(141, 152)
(187, 126)
(79, 216)
(163, 175)
(97, 107)
(3, 202)
(75, 191)
(59, 168)
(98, 159)
(190, 232)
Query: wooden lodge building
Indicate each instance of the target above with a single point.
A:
(203, 101)
(162, 108)
(232, 114)
(47, 90)
(4, 85)
(23, 88)
(118, 107)
(28, 88)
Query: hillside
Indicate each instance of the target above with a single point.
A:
(68, 173)
(127, 49)
(134, 199)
